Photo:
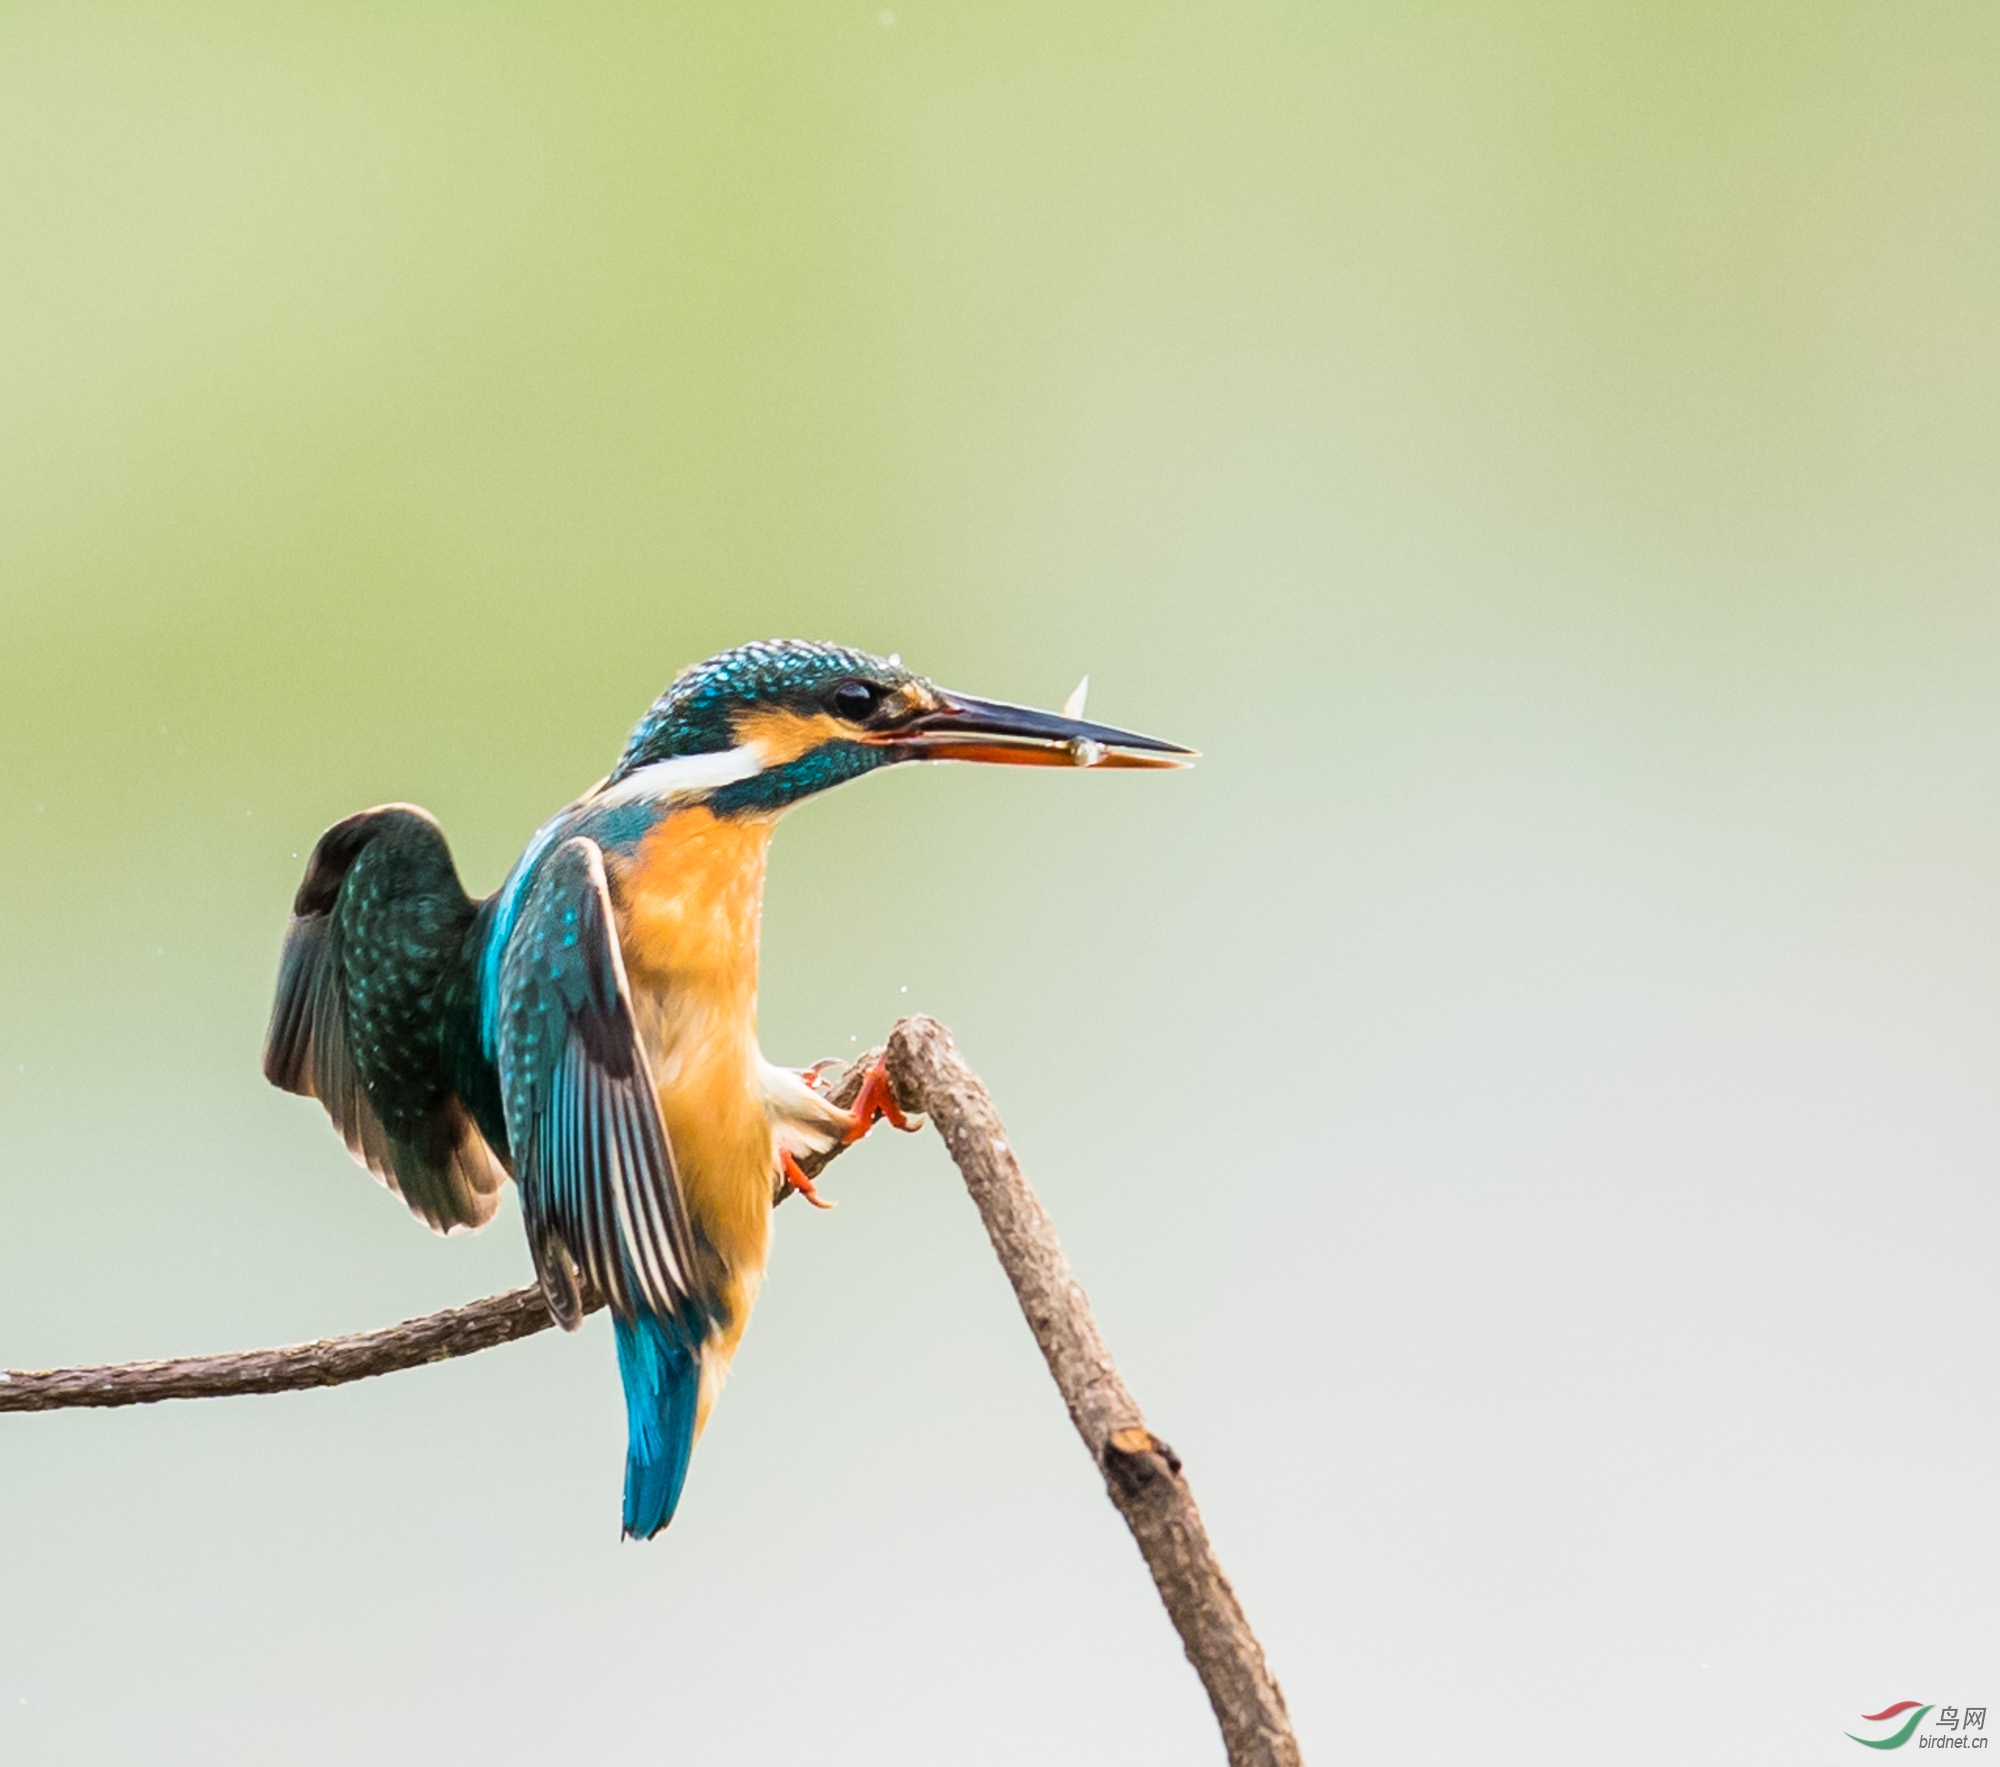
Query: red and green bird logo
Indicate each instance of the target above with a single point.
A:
(1896, 1738)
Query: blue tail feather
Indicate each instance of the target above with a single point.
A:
(661, 1366)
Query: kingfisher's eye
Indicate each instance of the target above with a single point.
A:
(855, 701)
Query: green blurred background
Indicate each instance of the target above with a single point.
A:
(1524, 1106)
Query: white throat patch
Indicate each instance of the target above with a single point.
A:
(682, 776)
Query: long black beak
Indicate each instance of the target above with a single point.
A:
(962, 728)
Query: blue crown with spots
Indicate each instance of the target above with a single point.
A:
(695, 714)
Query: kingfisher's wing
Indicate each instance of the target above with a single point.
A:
(378, 925)
(598, 1186)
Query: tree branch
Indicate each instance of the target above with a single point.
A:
(1141, 1473)
(332, 1362)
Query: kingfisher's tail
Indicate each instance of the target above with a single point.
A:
(660, 1362)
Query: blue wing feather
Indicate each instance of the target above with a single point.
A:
(591, 1153)
(506, 910)
(599, 1192)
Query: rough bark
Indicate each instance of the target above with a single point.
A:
(332, 1362)
(499, 1319)
(1141, 1473)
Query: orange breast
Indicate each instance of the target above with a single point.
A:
(690, 902)
(692, 899)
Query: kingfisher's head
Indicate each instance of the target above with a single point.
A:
(759, 727)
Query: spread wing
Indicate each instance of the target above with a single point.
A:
(598, 1186)
(377, 928)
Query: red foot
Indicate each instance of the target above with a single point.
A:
(796, 1178)
(876, 1100)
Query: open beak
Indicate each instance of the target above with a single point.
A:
(965, 729)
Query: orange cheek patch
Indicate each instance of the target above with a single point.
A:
(779, 736)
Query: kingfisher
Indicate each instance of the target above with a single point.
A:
(590, 1029)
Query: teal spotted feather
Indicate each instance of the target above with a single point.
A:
(375, 1011)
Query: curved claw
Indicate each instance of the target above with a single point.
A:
(817, 1072)
(795, 1176)
(877, 1099)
